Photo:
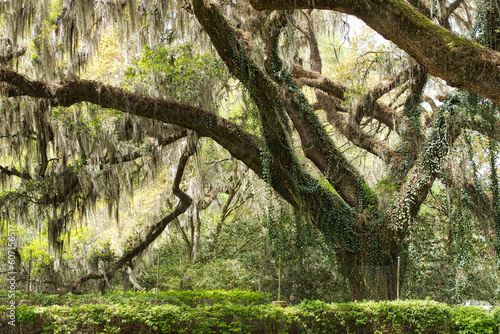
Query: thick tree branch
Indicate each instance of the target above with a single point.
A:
(379, 111)
(353, 132)
(212, 195)
(366, 102)
(410, 130)
(139, 153)
(459, 61)
(385, 115)
(453, 7)
(425, 170)
(315, 57)
(179, 134)
(286, 175)
(421, 7)
(317, 80)
(316, 144)
(241, 145)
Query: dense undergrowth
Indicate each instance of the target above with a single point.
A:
(237, 311)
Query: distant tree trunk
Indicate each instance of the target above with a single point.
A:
(125, 281)
(226, 211)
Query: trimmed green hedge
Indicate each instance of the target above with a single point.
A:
(225, 312)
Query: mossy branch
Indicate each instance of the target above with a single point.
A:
(240, 144)
(459, 61)
(12, 171)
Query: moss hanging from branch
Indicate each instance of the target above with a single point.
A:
(154, 230)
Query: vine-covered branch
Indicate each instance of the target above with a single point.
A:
(461, 62)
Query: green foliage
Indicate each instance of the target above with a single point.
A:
(218, 296)
(415, 316)
(472, 320)
(307, 261)
(184, 73)
(178, 72)
(55, 10)
(246, 257)
(237, 312)
(485, 29)
(174, 297)
(448, 258)
(221, 272)
(495, 191)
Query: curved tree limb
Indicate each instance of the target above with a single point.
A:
(315, 57)
(11, 54)
(410, 129)
(316, 143)
(326, 210)
(353, 132)
(420, 178)
(318, 80)
(179, 134)
(452, 7)
(286, 175)
(367, 104)
(367, 100)
(154, 231)
(379, 111)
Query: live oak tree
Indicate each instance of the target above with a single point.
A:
(366, 228)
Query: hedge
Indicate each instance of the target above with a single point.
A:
(223, 312)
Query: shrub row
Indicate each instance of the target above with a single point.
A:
(308, 317)
(174, 297)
